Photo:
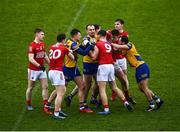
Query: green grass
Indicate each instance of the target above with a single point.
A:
(153, 26)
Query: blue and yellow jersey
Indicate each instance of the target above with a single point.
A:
(132, 56)
(87, 58)
(72, 45)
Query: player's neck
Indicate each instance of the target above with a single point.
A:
(103, 39)
(73, 39)
(37, 40)
(58, 43)
(121, 30)
(92, 36)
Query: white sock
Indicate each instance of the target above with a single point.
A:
(158, 100)
(125, 103)
(106, 109)
(56, 113)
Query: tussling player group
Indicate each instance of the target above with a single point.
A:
(105, 56)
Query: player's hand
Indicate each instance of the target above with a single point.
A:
(93, 43)
(42, 68)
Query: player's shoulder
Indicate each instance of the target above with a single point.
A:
(52, 46)
(125, 33)
(63, 47)
(130, 45)
(70, 42)
(32, 43)
(109, 31)
(99, 43)
(42, 43)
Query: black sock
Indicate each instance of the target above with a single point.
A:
(81, 104)
(93, 97)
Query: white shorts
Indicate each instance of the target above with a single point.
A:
(120, 64)
(56, 77)
(34, 75)
(105, 72)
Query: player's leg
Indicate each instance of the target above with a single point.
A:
(44, 86)
(29, 94)
(95, 93)
(81, 89)
(58, 113)
(69, 74)
(142, 76)
(51, 99)
(102, 78)
(122, 76)
(88, 83)
(120, 94)
(119, 74)
(74, 91)
(32, 77)
(151, 97)
(87, 76)
(103, 95)
(68, 99)
(144, 88)
(95, 89)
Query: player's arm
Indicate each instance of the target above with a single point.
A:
(122, 47)
(32, 60)
(46, 58)
(80, 51)
(94, 54)
(71, 56)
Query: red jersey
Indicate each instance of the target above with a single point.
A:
(105, 52)
(38, 49)
(116, 54)
(56, 55)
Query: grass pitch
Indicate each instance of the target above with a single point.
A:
(153, 26)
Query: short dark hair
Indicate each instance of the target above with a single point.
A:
(89, 25)
(74, 32)
(102, 33)
(124, 39)
(96, 26)
(38, 30)
(115, 32)
(120, 20)
(61, 37)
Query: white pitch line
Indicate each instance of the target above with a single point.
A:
(77, 15)
(17, 123)
(19, 120)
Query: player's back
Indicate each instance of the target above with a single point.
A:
(124, 33)
(71, 45)
(56, 55)
(133, 56)
(105, 52)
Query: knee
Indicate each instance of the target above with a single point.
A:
(45, 86)
(30, 88)
(82, 86)
(142, 89)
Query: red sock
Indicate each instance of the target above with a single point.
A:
(126, 93)
(45, 102)
(113, 92)
(106, 106)
(100, 101)
(28, 102)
